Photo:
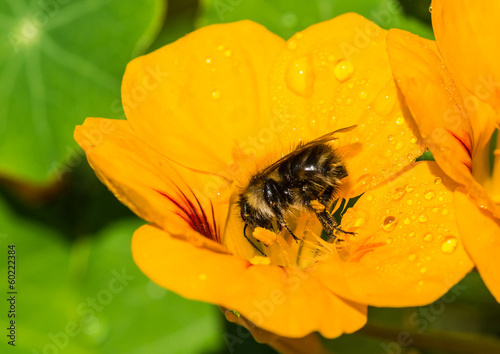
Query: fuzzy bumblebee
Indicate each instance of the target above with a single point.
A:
(307, 179)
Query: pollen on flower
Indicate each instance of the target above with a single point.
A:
(194, 214)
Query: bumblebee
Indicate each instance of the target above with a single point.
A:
(307, 180)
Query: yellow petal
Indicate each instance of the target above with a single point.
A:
(407, 250)
(480, 232)
(468, 34)
(434, 102)
(336, 74)
(150, 185)
(196, 99)
(438, 109)
(287, 302)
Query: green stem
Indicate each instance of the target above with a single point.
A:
(452, 342)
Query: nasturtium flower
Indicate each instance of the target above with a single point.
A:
(452, 88)
(208, 111)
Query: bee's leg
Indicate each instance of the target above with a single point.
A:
(329, 223)
(251, 242)
(326, 195)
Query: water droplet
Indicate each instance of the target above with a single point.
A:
(412, 257)
(449, 245)
(409, 202)
(400, 145)
(435, 210)
(291, 44)
(413, 140)
(429, 194)
(400, 120)
(300, 76)
(216, 94)
(343, 70)
(228, 53)
(209, 60)
(390, 137)
(388, 241)
(389, 223)
(369, 198)
(444, 212)
(411, 234)
(422, 218)
(363, 95)
(409, 188)
(428, 238)
(437, 180)
(220, 47)
(202, 277)
(399, 193)
(384, 102)
(407, 221)
(331, 57)
(423, 270)
(430, 8)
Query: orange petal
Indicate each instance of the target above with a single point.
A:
(284, 301)
(407, 250)
(144, 180)
(481, 235)
(336, 74)
(443, 121)
(433, 100)
(468, 34)
(193, 99)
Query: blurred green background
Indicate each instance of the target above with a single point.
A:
(78, 289)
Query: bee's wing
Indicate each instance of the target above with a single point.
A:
(302, 146)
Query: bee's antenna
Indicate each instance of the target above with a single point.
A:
(251, 242)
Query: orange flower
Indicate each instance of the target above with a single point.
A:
(452, 88)
(208, 111)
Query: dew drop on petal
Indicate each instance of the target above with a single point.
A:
(291, 44)
(430, 8)
(399, 193)
(409, 188)
(363, 95)
(228, 53)
(409, 202)
(411, 234)
(429, 194)
(423, 270)
(369, 198)
(300, 76)
(216, 94)
(412, 257)
(389, 223)
(437, 180)
(388, 241)
(422, 218)
(449, 245)
(413, 140)
(331, 57)
(209, 60)
(428, 238)
(390, 137)
(400, 145)
(407, 221)
(384, 102)
(400, 120)
(343, 70)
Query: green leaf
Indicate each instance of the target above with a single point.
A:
(60, 62)
(89, 296)
(286, 17)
